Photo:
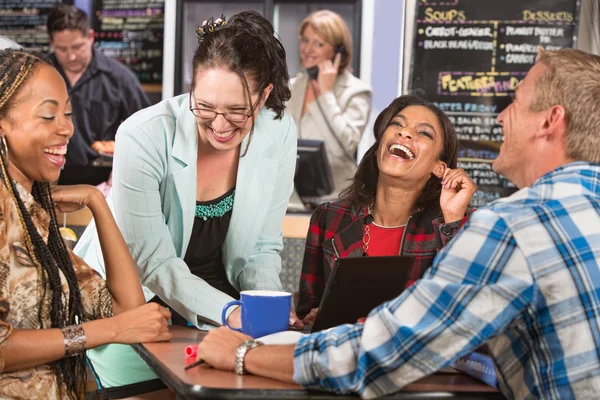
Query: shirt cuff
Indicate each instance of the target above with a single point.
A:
(304, 357)
(205, 323)
(447, 231)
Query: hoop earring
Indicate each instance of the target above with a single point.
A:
(4, 150)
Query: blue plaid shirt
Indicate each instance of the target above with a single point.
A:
(523, 275)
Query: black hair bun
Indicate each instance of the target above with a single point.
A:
(252, 22)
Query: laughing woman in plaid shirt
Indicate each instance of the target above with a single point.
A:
(407, 197)
(523, 274)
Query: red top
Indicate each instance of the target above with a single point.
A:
(384, 241)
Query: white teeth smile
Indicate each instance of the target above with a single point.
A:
(61, 151)
(404, 152)
(223, 134)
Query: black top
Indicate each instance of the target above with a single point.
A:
(204, 256)
(106, 94)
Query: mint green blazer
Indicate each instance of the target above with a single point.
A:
(153, 200)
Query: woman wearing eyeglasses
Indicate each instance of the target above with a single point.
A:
(201, 181)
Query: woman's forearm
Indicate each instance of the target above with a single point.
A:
(121, 277)
(26, 348)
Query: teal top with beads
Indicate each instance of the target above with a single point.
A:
(215, 210)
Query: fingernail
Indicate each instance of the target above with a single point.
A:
(292, 321)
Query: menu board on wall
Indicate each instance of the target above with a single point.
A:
(25, 22)
(131, 31)
(468, 58)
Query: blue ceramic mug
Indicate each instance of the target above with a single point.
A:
(263, 312)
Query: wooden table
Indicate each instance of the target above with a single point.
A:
(168, 359)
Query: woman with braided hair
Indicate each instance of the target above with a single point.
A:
(201, 184)
(52, 305)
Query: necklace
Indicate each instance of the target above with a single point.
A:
(370, 212)
(387, 227)
(366, 240)
(217, 210)
(367, 233)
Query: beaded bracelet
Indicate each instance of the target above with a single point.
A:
(74, 339)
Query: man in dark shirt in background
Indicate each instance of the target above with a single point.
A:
(103, 93)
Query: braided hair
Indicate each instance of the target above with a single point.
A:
(16, 66)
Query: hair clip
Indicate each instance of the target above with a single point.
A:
(209, 26)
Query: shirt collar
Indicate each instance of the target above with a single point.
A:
(583, 168)
(99, 61)
(579, 178)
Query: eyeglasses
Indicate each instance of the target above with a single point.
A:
(231, 116)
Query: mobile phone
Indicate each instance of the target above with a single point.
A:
(313, 72)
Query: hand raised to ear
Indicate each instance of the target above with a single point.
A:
(328, 72)
(457, 191)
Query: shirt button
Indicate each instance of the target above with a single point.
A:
(447, 230)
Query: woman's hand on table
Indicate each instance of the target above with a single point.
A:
(309, 319)
(147, 323)
(219, 346)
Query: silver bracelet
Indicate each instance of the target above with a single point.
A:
(74, 339)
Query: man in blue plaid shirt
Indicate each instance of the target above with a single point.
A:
(522, 276)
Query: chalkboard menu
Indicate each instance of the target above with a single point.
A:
(468, 58)
(25, 22)
(131, 31)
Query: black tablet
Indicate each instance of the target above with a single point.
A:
(356, 285)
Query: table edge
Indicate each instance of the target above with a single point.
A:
(187, 390)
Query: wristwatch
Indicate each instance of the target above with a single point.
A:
(240, 354)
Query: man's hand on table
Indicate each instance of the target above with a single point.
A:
(219, 346)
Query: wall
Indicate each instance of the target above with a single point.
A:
(386, 54)
(85, 5)
(589, 26)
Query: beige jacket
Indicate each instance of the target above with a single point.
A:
(340, 121)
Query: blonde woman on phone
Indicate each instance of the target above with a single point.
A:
(328, 102)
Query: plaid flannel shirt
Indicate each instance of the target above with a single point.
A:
(337, 229)
(523, 275)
